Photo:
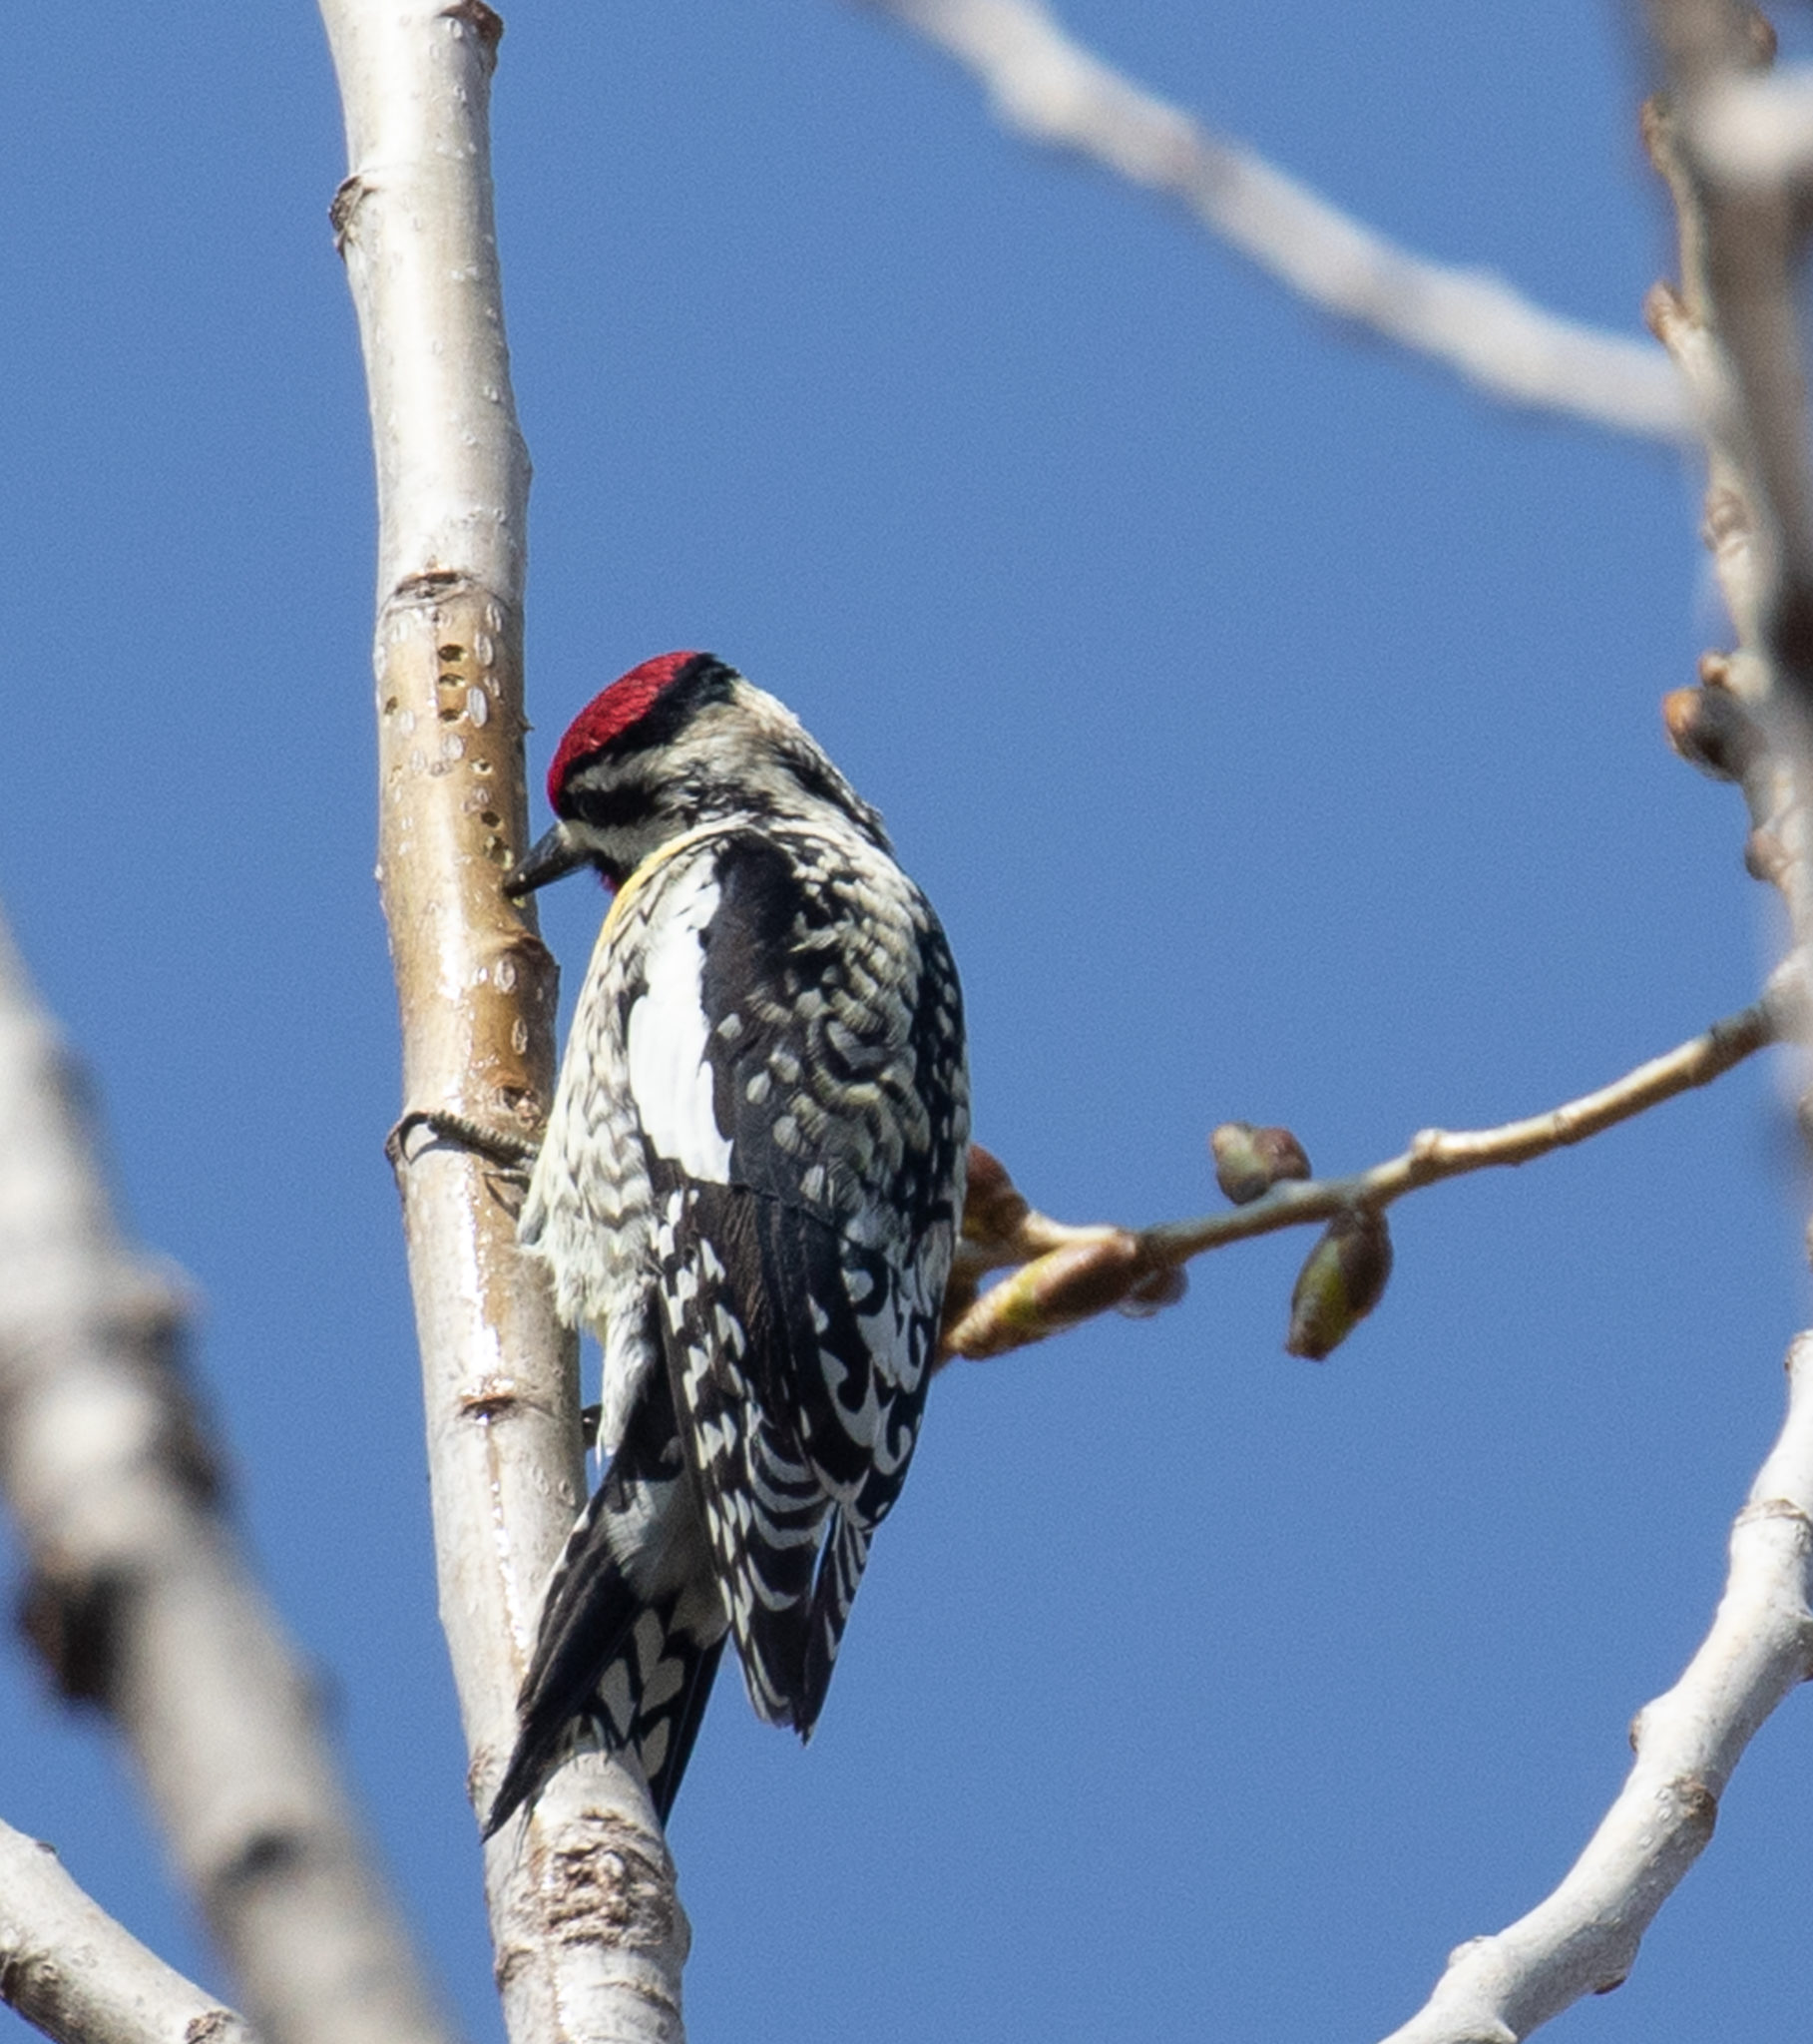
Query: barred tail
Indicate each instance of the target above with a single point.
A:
(632, 1628)
(846, 1554)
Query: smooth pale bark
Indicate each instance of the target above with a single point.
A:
(74, 1973)
(589, 1930)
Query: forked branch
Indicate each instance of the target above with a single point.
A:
(1582, 1938)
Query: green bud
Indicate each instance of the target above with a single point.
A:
(1249, 1161)
(1341, 1281)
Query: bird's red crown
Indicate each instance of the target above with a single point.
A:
(626, 700)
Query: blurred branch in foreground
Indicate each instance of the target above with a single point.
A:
(138, 1598)
(1051, 90)
(73, 1972)
(1063, 1274)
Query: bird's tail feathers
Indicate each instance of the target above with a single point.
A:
(840, 1567)
(632, 1626)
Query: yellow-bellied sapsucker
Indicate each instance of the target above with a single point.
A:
(750, 1189)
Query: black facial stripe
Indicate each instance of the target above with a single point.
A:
(619, 808)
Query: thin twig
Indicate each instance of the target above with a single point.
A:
(1068, 1273)
(73, 1972)
(1438, 1154)
(138, 1596)
(1051, 89)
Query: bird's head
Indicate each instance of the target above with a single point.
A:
(681, 741)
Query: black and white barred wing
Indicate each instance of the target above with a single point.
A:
(764, 1507)
(796, 1051)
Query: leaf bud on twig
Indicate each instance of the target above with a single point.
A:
(1664, 311)
(1340, 1282)
(1766, 857)
(1711, 730)
(1053, 1292)
(1249, 1161)
(994, 1208)
(1757, 47)
(1154, 1293)
(1081, 1279)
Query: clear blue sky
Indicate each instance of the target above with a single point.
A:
(1276, 726)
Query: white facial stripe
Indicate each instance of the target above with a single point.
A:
(667, 1033)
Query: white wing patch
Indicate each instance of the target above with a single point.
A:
(667, 1033)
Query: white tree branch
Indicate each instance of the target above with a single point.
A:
(77, 1976)
(1051, 90)
(1583, 1939)
(139, 1598)
(587, 1926)
(1731, 327)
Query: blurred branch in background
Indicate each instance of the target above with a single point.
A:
(138, 1598)
(1051, 90)
(589, 1934)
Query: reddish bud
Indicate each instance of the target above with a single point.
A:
(1711, 730)
(1663, 312)
(1341, 1281)
(1249, 1161)
(993, 1206)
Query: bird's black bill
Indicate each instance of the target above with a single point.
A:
(548, 859)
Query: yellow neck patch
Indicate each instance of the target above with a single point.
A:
(650, 866)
